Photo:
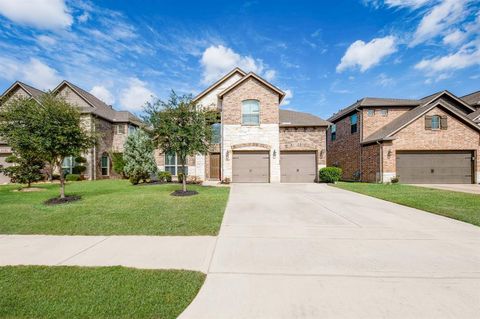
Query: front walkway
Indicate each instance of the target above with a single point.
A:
(314, 251)
(464, 188)
(165, 252)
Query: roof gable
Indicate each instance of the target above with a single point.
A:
(454, 100)
(297, 119)
(219, 82)
(30, 90)
(386, 132)
(264, 82)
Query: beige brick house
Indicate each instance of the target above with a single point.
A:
(256, 141)
(435, 139)
(112, 126)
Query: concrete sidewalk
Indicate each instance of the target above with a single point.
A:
(463, 188)
(153, 252)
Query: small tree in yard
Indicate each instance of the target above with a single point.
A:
(118, 164)
(19, 123)
(61, 134)
(180, 127)
(138, 157)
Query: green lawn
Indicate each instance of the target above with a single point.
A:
(111, 207)
(461, 206)
(100, 292)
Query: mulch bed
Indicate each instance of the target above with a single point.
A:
(58, 200)
(182, 193)
(150, 183)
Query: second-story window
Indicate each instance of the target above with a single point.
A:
(120, 129)
(250, 112)
(131, 129)
(333, 132)
(371, 112)
(383, 112)
(216, 133)
(353, 123)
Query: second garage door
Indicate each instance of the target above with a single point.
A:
(298, 167)
(250, 167)
(435, 167)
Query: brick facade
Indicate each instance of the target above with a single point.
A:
(373, 123)
(251, 89)
(344, 152)
(305, 138)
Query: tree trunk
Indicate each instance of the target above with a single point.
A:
(29, 184)
(62, 180)
(50, 171)
(184, 180)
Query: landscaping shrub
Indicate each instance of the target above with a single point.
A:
(118, 163)
(164, 176)
(330, 174)
(72, 177)
(394, 180)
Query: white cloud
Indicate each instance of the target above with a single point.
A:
(270, 75)
(40, 75)
(135, 95)
(454, 38)
(84, 17)
(33, 72)
(288, 97)
(367, 55)
(414, 4)
(43, 14)
(384, 80)
(103, 94)
(45, 40)
(438, 20)
(218, 60)
(468, 55)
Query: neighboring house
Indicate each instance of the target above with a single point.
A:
(256, 141)
(431, 140)
(111, 126)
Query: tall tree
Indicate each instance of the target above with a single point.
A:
(19, 123)
(138, 157)
(61, 134)
(180, 127)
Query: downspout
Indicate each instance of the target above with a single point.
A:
(380, 160)
(360, 142)
(94, 164)
(222, 162)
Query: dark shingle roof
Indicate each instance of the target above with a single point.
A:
(294, 118)
(472, 98)
(386, 131)
(34, 92)
(475, 116)
(101, 109)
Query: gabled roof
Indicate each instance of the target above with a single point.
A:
(386, 132)
(371, 101)
(250, 75)
(472, 98)
(475, 116)
(294, 119)
(33, 92)
(99, 107)
(219, 82)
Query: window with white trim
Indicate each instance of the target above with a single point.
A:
(120, 129)
(68, 164)
(250, 112)
(173, 165)
(105, 165)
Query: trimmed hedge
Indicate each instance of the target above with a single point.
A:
(330, 174)
(164, 176)
(73, 178)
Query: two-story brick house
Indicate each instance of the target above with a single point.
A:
(257, 141)
(110, 125)
(431, 140)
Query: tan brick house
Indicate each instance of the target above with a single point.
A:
(435, 139)
(112, 126)
(256, 140)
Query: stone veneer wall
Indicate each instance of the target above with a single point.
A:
(458, 136)
(267, 134)
(344, 152)
(303, 139)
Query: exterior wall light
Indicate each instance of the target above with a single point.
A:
(389, 154)
(227, 156)
(274, 154)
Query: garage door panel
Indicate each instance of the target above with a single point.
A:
(250, 167)
(298, 167)
(435, 167)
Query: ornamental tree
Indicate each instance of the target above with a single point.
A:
(138, 157)
(24, 170)
(180, 127)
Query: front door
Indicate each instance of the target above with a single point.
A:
(215, 166)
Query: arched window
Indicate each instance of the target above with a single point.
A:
(250, 112)
(105, 164)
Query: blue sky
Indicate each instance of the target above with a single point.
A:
(324, 54)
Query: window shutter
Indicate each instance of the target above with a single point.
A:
(443, 122)
(428, 122)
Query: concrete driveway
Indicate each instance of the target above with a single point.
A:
(315, 251)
